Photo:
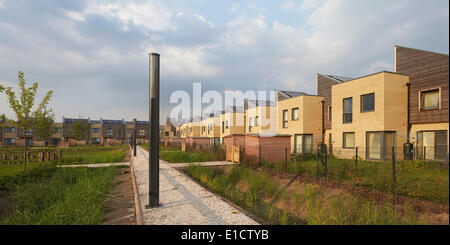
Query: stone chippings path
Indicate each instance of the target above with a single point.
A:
(183, 202)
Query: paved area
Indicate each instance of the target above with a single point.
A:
(96, 165)
(183, 202)
(218, 163)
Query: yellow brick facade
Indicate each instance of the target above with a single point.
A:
(309, 120)
(389, 115)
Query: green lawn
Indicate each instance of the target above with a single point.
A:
(265, 197)
(61, 196)
(95, 155)
(418, 179)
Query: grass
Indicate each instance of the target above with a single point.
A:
(60, 196)
(111, 155)
(256, 192)
(175, 155)
(417, 179)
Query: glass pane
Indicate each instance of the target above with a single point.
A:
(298, 143)
(430, 100)
(295, 114)
(285, 115)
(389, 142)
(441, 144)
(348, 105)
(308, 143)
(428, 144)
(374, 145)
(368, 102)
(349, 140)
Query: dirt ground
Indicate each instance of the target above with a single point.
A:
(120, 204)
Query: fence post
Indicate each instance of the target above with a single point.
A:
(393, 171)
(285, 159)
(424, 153)
(326, 162)
(356, 158)
(260, 159)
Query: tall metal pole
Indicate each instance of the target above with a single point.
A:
(154, 130)
(134, 138)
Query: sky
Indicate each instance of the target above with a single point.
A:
(94, 53)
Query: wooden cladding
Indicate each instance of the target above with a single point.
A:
(427, 71)
(324, 89)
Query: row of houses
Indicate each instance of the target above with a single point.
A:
(98, 132)
(377, 113)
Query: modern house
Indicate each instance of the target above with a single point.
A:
(300, 115)
(428, 118)
(370, 113)
(261, 118)
(232, 122)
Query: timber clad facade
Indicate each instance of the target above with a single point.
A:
(427, 71)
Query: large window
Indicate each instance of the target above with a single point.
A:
(380, 145)
(142, 131)
(95, 130)
(303, 143)
(295, 114)
(432, 145)
(109, 131)
(10, 141)
(56, 130)
(429, 100)
(285, 118)
(368, 102)
(348, 110)
(349, 140)
(10, 130)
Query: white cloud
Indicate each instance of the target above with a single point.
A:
(2, 3)
(288, 6)
(150, 14)
(75, 15)
(310, 4)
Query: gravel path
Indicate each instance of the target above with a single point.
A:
(183, 202)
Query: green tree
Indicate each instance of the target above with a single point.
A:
(43, 125)
(23, 105)
(80, 129)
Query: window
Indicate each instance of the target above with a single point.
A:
(295, 114)
(129, 130)
(329, 113)
(348, 110)
(95, 141)
(142, 132)
(10, 141)
(368, 102)
(10, 130)
(349, 140)
(285, 118)
(303, 143)
(109, 131)
(379, 145)
(95, 130)
(256, 121)
(226, 124)
(429, 100)
(56, 130)
(29, 132)
(250, 120)
(223, 127)
(432, 145)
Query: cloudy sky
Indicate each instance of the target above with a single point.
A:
(94, 54)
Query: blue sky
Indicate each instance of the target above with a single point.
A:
(94, 54)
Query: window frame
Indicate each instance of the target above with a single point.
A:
(362, 104)
(348, 113)
(330, 113)
(285, 122)
(292, 114)
(344, 145)
(421, 92)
